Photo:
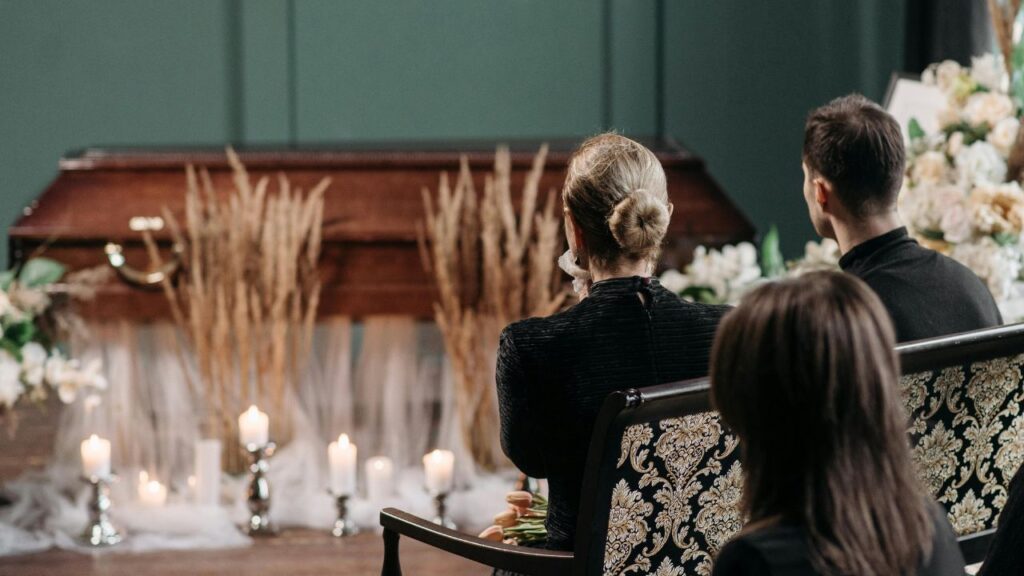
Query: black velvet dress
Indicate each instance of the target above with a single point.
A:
(554, 373)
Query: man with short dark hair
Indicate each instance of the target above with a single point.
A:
(853, 161)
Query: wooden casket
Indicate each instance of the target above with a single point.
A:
(370, 262)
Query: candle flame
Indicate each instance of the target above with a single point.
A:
(153, 486)
(378, 464)
(94, 439)
(343, 440)
(143, 477)
(252, 412)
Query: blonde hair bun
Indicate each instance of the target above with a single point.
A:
(639, 222)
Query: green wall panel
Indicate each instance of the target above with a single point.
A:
(740, 78)
(74, 74)
(407, 69)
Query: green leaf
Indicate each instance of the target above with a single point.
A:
(20, 333)
(914, 129)
(702, 294)
(772, 263)
(1005, 238)
(6, 277)
(933, 234)
(40, 272)
(11, 347)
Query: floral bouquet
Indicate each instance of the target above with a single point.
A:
(961, 193)
(522, 523)
(723, 276)
(30, 361)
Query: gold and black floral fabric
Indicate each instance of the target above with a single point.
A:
(677, 498)
(967, 433)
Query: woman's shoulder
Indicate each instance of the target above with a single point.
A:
(775, 549)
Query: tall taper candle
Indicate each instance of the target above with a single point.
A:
(342, 458)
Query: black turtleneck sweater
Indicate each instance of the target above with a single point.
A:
(554, 373)
(927, 294)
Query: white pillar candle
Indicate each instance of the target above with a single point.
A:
(342, 458)
(96, 457)
(379, 472)
(206, 481)
(152, 493)
(438, 467)
(253, 428)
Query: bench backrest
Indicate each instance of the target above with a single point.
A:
(663, 483)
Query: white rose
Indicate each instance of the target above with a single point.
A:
(930, 167)
(955, 144)
(10, 379)
(956, 224)
(1004, 135)
(980, 163)
(987, 108)
(988, 71)
(946, 74)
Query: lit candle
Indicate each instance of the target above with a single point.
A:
(378, 478)
(342, 458)
(253, 428)
(438, 467)
(151, 492)
(96, 457)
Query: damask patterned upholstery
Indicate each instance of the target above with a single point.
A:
(676, 485)
(967, 432)
(676, 500)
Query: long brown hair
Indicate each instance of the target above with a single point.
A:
(804, 371)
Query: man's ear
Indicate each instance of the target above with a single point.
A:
(823, 194)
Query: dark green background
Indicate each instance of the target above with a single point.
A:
(736, 77)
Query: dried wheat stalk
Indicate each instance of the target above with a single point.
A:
(247, 294)
(492, 266)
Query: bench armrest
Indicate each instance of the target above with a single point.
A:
(974, 547)
(521, 559)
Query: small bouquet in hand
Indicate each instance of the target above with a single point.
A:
(522, 523)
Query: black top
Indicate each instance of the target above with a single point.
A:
(1006, 554)
(554, 373)
(783, 550)
(927, 294)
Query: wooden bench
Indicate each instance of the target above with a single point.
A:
(665, 482)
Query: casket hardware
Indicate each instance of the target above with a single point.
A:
(115, 256)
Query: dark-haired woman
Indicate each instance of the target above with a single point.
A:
(554, 373)
(804, 372)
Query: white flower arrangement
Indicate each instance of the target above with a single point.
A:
(30, 362)
(956, 197)
(723, 276)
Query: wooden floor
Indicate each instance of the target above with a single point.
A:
(294, 553)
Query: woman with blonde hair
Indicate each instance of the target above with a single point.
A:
(628, 332)
(804, 372)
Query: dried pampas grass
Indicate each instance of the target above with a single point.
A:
(247, 294)
(492, 265)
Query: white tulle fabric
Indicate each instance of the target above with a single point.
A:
(383, 381)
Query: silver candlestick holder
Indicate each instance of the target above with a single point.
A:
(441, 507)
(343, 526)
(259, 491)
(100, 532)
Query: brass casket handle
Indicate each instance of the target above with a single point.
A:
(115, 255)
